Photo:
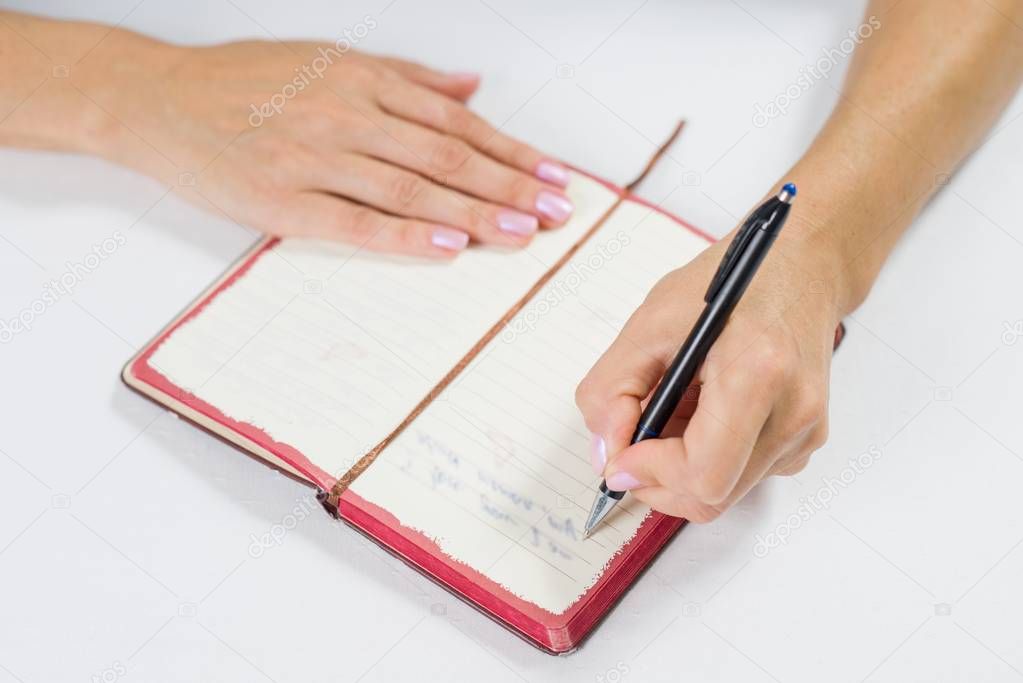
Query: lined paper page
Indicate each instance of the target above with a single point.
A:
(326, 348)
(496, 470)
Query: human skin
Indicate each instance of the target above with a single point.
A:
(920, 94)
(374, 151)
(382, 153)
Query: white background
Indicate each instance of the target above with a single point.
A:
(125, 533)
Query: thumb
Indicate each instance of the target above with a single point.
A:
(458, 85)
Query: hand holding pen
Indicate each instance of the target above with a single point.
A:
(761, 407)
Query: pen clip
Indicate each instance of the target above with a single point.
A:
(736, 249)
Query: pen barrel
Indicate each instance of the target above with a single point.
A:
(683, 368)
(680, 373)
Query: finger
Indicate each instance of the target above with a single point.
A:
(762, 463)
(770, 451)
(453, 162)
(445, 116)
(323, 216)
(797, 457)
(786, 467)
(457, 84)
(400, 192)
(677, 505)
(712, 454)
(610, 395)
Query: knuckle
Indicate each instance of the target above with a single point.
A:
(449, 154)
(388, 93)
(584, 393)
(458, 119)
(521, 190)
(819, 435)
(795, 467)
(592, 405)
(406, 187)
(811, 408)
(631, 386)
(362, 223)
(477, 129)
(702, 514)
(711, 489)
(409, 235)
(770, 362)
(474, 221)
(521, 155)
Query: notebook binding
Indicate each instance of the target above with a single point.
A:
(329, 502)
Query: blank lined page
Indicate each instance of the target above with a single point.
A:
(327, 348)
(496, 471)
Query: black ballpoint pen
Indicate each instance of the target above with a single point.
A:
(738, 266)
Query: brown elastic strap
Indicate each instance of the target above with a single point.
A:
(333, 498)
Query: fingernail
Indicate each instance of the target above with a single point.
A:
(517, 223)
(553, 206)
(464, 75)
(598, 454)
(552, 172)
(449, 238)
(622, 481)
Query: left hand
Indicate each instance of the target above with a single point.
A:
(369, 150)
(760, 404)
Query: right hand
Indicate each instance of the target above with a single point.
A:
(375, 151)
(760, 402)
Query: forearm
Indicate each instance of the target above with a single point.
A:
(921, 92)
(53, 81)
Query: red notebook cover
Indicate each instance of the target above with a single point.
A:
(554, 633)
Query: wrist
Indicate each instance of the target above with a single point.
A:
(60, 94)
(115, 86)
(814, 244)
(834, 226)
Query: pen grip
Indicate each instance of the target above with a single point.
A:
(705, 332)
(680, 373)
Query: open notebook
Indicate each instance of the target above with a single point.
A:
(432, 403)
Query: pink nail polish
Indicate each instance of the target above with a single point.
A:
(622, 481)
(552, 172)
(448, 238)
(598, 454)
(553, 206)
(517, 223)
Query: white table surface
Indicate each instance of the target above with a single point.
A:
(125, 533)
